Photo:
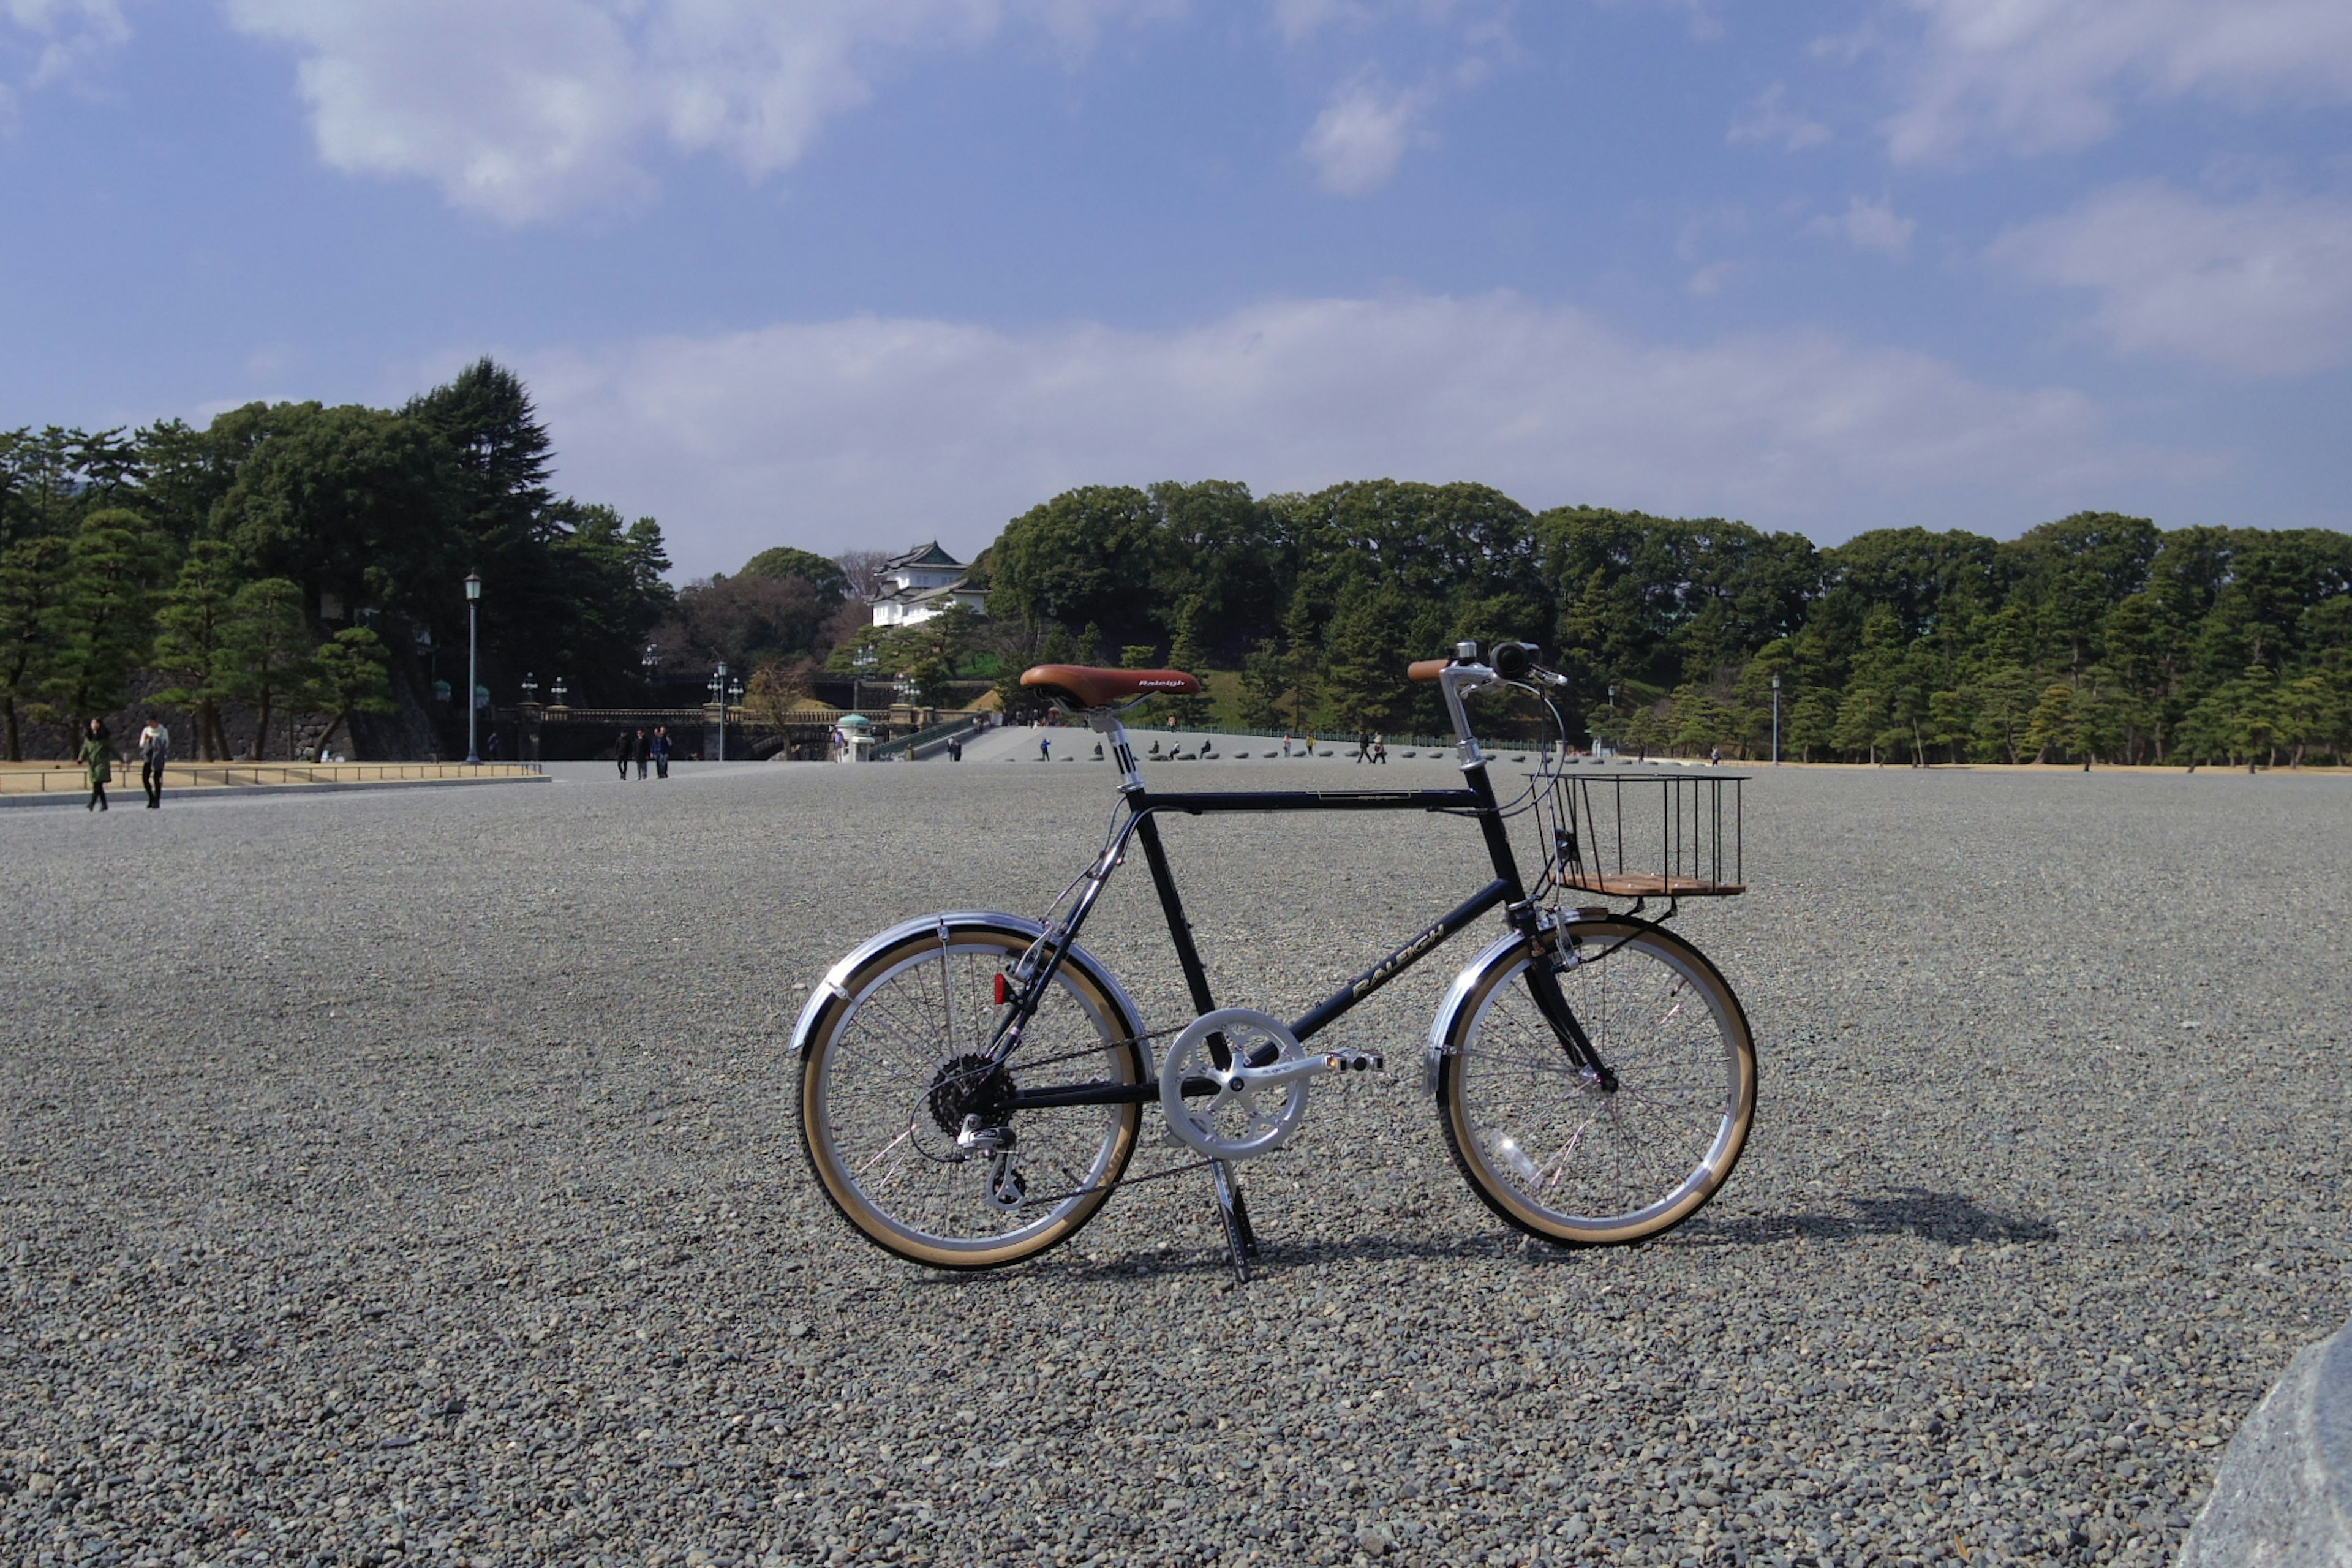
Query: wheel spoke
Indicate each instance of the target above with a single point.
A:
(1617, 1165)
(889, 1068)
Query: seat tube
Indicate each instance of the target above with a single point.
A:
(1180, 930)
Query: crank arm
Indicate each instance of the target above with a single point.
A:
(1315, 1066)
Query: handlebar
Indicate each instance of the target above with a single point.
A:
(1513, 661)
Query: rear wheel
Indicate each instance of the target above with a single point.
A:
(1550, 1149)
(894, 1072)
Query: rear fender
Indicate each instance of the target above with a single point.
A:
(833, 991)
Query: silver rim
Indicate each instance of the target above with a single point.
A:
(1577, 1160)
(870, 1113)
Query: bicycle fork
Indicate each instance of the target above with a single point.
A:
(1543, 984)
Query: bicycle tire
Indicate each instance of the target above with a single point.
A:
(876, 1052)
(1550, 1150)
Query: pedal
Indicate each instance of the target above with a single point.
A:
(1355, 1061)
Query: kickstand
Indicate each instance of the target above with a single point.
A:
(1240, 1239)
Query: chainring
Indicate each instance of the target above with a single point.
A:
(1243, 1119)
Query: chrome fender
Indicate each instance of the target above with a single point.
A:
(834, 987)
(1457, 996)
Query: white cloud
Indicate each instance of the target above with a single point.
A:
(2263, 286)
(63, 35)
(877, 430)
(1768, 118)
(1360, 137)
(525, 109)
(2040, 75)
(1870, 226)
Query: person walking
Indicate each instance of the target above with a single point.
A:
(621, 753)
(154, 751)
(1286, 745)
(661, 751)
(1363, 747)
(1046, 748)
(98, 760)
(1381, 749)
(643, 755)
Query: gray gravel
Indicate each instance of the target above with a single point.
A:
(411, 1178)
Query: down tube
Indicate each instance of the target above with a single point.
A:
(1403, 959)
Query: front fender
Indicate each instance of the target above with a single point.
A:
(1458, 996)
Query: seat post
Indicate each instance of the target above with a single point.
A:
(1105, 721)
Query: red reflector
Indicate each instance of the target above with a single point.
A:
(1002, 989)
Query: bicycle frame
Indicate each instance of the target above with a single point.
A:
(1144, 808)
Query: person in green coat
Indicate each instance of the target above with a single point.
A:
(98, 758)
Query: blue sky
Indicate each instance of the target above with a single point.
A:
(847, 273)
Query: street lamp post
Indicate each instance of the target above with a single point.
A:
(650, 661)
(1613, 712)
(719, 698)
(473, 678)
(1776, 720)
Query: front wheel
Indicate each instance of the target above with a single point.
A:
(909, 1129)
(1542, 1142)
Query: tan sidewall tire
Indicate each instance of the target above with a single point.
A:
(1500, 1195)
(869, 1221)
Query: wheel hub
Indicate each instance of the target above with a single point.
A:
(969, 1086)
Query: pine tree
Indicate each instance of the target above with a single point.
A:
(349, 677)
(1266, 684)
(104, 621)
(1187, 655)
(192, 641)
(268, 650)
(32, 583)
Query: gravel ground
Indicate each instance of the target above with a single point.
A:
(412, 1179)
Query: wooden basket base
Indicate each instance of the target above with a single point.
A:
(1646, 885)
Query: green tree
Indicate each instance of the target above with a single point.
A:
(1265, 687)
(2051, 727)
(2003, 699)
(348, 677)
(33, 580)
(1187, 655)
(105, 621)
(928, 654)
(269, 650)
(1812, 725)
(831, 582)
(192, 641)
(1365, 652)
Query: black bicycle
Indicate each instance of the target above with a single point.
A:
(973, 1083)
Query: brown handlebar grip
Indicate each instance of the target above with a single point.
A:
(1427, 668)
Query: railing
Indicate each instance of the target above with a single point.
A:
(937, 734)
(64, 778)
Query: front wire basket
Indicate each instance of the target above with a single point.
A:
(1643, 835)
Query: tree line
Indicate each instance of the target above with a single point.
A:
(294, 560)
(2098, 636)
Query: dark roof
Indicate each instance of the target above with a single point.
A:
(922, 555)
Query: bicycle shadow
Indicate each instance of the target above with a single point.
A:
(1948, 1220)
(1951, 1219)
